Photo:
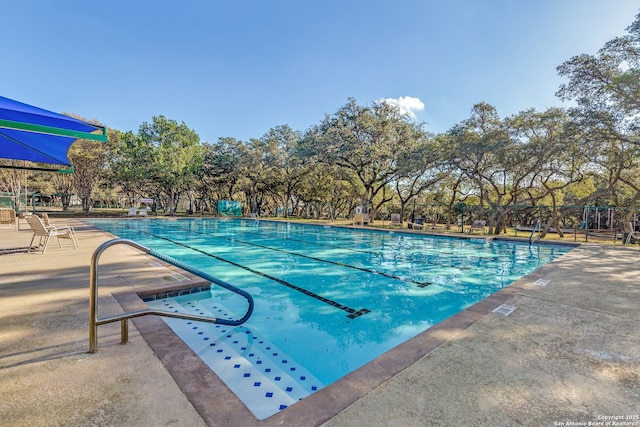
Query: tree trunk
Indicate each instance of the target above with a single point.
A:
(86, 204)
(65, 199)
(403, 205)
(172, 203)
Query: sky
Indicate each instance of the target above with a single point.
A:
(237, 68)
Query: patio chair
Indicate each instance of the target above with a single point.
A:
(478, 225)
(361, 219)
(417, 224)
(632, 234)
(142, 212)
(45, 233)
(8, 216)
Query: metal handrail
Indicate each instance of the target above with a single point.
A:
(94, 322)
(535, 228)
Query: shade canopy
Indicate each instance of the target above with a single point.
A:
(37, 135)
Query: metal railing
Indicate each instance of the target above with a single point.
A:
(94, 322)
(533, 232)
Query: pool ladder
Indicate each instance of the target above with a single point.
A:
(533, 232)
(94, 322)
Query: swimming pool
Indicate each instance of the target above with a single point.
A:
(328, 300)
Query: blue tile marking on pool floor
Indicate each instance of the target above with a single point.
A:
(266, 379)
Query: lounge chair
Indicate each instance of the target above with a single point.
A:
(417, 224)
(142, 212)
(632, 234)
(478, 225)
(8, 216)
(361, 219)
(132, 212)
(45, 233)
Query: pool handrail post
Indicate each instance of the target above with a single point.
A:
(93, 291)
(94, 322)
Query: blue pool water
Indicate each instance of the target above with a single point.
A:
(327, 299)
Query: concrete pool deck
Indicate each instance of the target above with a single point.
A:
(569, 353)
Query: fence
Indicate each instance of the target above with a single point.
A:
(590, 221)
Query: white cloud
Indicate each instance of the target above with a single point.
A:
(406, 104)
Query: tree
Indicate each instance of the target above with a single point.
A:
(63, 186)
(130, 165)
(11, 180)
(419, 168)
(220, 173)
(546, 159)
(252, 171)
(176, 156)
(606, 89)
(283, 162)
(609, 80)
(479, 148)
(366, 141)
(88, 160)
(325, 186)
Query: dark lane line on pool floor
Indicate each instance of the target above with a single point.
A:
(431, 262)
(353, 313)
(340, 264)
(362, 251)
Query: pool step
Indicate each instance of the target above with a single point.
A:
(263, 377)
(261, 352)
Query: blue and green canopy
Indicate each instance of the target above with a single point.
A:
(37, 135)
